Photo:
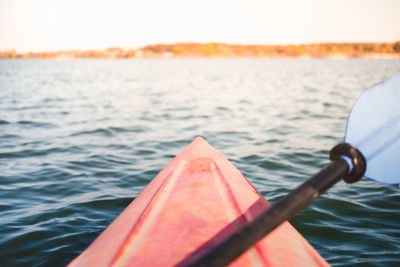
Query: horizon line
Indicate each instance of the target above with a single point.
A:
(204, 50)
(197, 43)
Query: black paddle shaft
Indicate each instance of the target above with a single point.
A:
(286, 208)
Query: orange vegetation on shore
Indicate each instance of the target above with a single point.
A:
(326, 50)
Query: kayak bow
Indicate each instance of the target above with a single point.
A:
(195, 202)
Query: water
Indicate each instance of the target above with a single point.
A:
(79, 139)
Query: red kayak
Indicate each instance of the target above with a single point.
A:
(196, 201)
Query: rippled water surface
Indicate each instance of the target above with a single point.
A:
(79, 139)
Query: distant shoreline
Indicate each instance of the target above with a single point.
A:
(222, 50)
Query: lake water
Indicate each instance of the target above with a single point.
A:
(79, 139)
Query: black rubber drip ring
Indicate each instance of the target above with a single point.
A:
(358, 160)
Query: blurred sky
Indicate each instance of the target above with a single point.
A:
(43, 25)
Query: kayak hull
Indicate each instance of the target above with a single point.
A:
(196, 201)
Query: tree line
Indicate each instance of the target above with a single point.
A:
(324, 50)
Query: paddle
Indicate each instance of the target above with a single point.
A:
(373, 126)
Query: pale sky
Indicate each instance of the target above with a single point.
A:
(49, 25)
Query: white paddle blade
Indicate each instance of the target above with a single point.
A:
(373, 127)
